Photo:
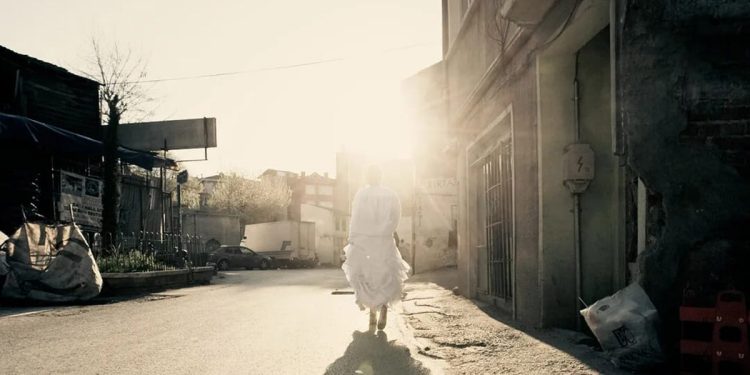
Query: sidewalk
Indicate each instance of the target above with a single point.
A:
(474, 338)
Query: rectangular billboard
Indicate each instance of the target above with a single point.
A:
(169, 135)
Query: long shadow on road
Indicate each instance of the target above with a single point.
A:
(373, 354)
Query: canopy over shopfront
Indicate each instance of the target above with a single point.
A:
(19, 130)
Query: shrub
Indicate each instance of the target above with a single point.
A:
(131, 261)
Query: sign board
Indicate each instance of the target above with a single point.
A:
(169, 135)
(440, 186)
(85, 194)
(182, 177)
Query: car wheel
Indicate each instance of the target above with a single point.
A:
(223, 265)
(264, 265)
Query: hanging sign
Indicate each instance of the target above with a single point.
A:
(85, 194)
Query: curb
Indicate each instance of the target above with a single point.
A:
(436, 365)
(138, 282)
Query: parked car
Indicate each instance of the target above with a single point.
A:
(226, 257)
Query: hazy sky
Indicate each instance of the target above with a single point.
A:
(294, 119)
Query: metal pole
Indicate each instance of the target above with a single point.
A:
(179, 216)
(577, 241)
(413, 227)
(53, 190)
(162, 187)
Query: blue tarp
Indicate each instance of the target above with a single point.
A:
(54, 140)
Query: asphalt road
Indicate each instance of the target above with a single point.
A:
(246, 322)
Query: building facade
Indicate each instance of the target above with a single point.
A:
(50, 94)
(311, 189)
(573, 126)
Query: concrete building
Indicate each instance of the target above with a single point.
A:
(312, 189)
(326, 233)
(436, 193)
(313, 201)
(435, 224)
(208, 184)
(595, 143)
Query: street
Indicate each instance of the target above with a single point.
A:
(245, 322)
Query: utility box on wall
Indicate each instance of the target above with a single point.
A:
(578, 167)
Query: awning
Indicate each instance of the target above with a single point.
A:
(54, 140)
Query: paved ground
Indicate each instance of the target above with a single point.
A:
(285, 322)
(249, 322)
(474, 338)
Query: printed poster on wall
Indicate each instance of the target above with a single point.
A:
(85, 194)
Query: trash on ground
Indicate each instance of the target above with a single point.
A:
(50, 263)
(626, 325)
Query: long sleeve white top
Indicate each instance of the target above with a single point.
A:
(376, 212)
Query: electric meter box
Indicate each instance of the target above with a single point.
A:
(578, 163)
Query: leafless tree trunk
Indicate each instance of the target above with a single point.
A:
(111, 193)
(122, 94)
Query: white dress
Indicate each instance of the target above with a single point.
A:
(373, 263)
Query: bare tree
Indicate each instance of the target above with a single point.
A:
(253, 201)
(122, 94)
(121, 74)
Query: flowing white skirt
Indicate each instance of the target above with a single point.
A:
(375, 271)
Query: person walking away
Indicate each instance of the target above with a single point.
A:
(373, 265)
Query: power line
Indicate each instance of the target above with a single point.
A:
(277, 67)
(269, 68)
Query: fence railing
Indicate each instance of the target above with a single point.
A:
(149, 251)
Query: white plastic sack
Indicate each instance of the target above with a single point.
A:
(626, 324)
(4, 268)
(50, 263)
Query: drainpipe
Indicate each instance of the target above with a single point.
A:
(578, 172)
(577, 201)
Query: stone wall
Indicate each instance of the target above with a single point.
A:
(683, 92)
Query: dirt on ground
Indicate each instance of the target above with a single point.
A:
(475, 338)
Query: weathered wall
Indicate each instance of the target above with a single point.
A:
(225, 229)
(684, 94)
(48, 93)
(476, 105)
(425, 93)
(270, 236)
(436, 202)
(580, 52)
(490, 73)
(324, 231)
(600, 210)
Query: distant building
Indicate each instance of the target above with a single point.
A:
(312, 200)
(208, 184)
(313, 189)
(326, 245)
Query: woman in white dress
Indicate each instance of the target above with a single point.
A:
(373, 263)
